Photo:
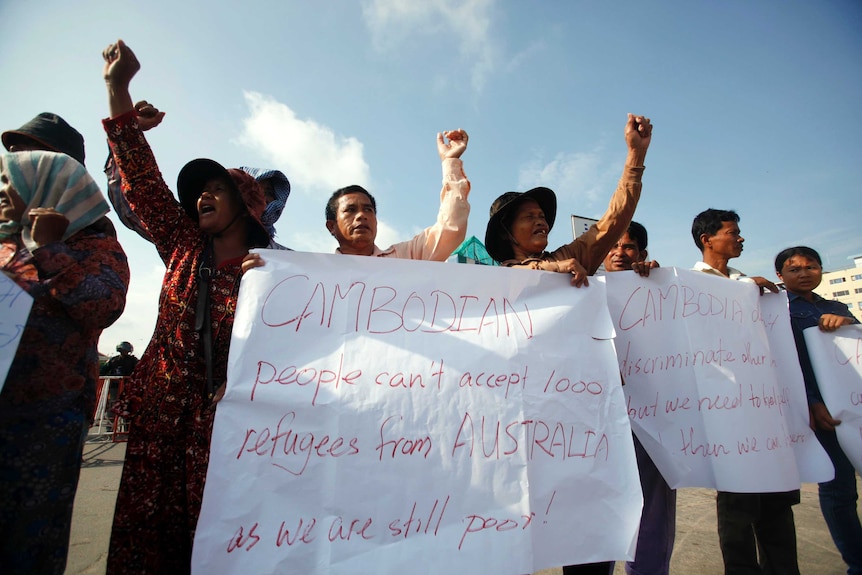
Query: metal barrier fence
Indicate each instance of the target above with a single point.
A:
(105, 423)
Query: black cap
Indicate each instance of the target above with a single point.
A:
(50, 131)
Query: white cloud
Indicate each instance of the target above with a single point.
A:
(392, 22)
(314, 156)
(387, 235)
(316, 161)
(529, 53)
(580, 177)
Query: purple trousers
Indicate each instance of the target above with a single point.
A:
(658, 520)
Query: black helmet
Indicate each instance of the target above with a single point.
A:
(125, 346)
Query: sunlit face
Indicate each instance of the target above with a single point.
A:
(12, 207)
(624, 253)
(727, 242)
(801, 274)
(355, 224)
(217, 206)
(529, 229)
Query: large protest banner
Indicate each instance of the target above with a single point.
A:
(811, 459)
(712, 382)
(15, 306)
(385, 415)
(837, 361)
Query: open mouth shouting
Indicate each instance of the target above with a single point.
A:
(206, 208)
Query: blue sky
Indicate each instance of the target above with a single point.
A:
(754, 105)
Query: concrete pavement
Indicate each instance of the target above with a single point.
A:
(696, 551)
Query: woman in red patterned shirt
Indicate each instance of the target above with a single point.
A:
(170, 398)
(56, 245)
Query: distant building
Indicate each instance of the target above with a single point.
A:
(581, 224)
(845, 285)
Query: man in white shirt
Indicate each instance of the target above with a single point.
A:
(747, 522)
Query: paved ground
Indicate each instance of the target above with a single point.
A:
(695, 553)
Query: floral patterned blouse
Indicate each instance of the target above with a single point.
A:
(78, 288)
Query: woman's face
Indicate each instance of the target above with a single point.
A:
(218, 206)
(11, 205)
(529, 230)
(801, 274)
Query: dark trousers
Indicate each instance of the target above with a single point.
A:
(658, 520)
(838, 503)
(604, 568)
(752, 523)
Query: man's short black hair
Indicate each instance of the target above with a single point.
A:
(709, 222)
(804, 251)
(332, 204)
(638, 233)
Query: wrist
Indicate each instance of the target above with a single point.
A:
(636, 157)
(119, 100)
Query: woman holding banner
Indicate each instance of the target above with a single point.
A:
(56, 245)
(170, 398)
(800, 268)
(517, 231)
(517, 236)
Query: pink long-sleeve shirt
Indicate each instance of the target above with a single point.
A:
(437, 242)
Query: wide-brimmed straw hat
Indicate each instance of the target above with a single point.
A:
(194, 176)
(497, 240)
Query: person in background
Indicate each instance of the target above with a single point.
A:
(56, 244)
(519, 223)
(658, 518)
(47, 132)
(748, 523)
(801, 270)
(276, 186)
(120, 365)
(517, 235)
(169, 399)
(630, 253)
(276, 190)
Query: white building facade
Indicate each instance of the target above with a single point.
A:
(845, 285)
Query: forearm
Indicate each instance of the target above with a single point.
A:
(545, 265)
(437, 242)
(451, 227)
(635, 158)
(88, 275)
(145, 189)
(119, 100)
(591, 247)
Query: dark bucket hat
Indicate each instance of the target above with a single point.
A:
(194, 176)
(50, 131)
(497, 240)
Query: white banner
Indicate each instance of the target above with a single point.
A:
(837, 361)
(15, 306)
(713, 385)
(811, 459)
(391, 415)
